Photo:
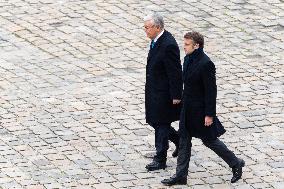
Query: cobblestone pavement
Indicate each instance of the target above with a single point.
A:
(72, 76)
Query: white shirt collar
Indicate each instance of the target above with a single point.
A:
(158, 36)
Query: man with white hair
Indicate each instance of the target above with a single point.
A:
(163, 88)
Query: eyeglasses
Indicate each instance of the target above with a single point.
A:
(148, 27)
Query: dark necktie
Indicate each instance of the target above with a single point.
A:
(152, 44)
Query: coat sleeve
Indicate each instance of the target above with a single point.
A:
(174, 71)
(210, 88)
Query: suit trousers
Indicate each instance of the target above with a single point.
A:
(216, 145)
(164, 133)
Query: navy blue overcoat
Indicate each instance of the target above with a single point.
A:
(199, 97)
(163, 81)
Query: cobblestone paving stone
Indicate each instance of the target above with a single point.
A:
(72, 76)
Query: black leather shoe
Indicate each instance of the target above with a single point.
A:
(175, 153)
(174, 180)
(237, 171)
(156, 166)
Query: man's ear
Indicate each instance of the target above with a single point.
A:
(196, 46)
(159, 28)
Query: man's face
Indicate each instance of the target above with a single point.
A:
(189, 46)
(151, 30)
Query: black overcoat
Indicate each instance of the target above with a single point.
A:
(199, 97)
(163, 81)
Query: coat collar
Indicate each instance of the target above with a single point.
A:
(159, 35)
(194, 59)
(159, 41)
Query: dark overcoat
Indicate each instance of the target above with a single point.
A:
(163, 81)
(199, 97)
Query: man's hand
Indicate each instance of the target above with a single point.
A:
(176, 101)
(208, 121)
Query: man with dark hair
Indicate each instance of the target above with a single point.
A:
(163, 88)
(198, 114)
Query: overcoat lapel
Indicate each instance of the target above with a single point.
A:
(196, 65)
(153, 51)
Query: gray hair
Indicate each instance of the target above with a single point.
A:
(156, 18)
